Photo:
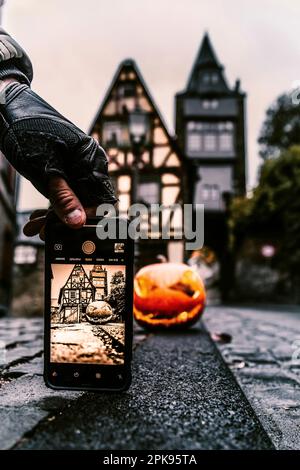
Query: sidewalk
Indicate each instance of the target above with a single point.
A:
(183, 395)
(264, 356)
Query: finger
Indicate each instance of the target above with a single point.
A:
(42, 233)
(38, 213)
(90, 211)
(65, 203)
(33, 227)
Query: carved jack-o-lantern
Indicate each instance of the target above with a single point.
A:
(168, 295)
(99, 312)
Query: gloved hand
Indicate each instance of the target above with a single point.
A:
(60, 160)
(40, 143)
(66, 206)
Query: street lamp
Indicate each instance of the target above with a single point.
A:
(138, 129)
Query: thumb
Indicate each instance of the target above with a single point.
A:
(65, 203)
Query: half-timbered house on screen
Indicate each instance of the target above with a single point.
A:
(130, 128)
(75, 296)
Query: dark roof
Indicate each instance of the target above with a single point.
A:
(127, 64)
(206, 54)
(206, 59)
(130, 64)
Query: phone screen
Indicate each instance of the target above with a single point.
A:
(88, 312)
(88, 309)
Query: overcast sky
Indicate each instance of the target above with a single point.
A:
(75, 47)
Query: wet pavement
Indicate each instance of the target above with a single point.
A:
(264, 356)
(183, 394)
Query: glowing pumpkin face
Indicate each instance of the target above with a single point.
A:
(168, 295)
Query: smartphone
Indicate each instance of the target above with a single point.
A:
(88, 308)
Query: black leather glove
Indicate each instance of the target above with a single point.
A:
(40, 143)
(14, 62)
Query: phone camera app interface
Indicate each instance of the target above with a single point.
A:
(88, 309)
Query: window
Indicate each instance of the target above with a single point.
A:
(226, 142)
(212, 184)
(210, 192)
(210, 78)
(206, 78)
(205, 192)
(25, 254)
(112, 133)
(210, 104)
(215, 192)
(214, 78)
(210, 142)
(210, 137)
(194, 142)
(148, 191)
(127, 90)
(72, 294)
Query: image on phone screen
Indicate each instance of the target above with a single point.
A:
(88, 312)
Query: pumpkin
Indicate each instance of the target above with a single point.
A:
(168, 295)
(99, 311)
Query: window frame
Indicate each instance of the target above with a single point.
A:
(149, 179)
(207, 130)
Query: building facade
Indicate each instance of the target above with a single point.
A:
(7, 230)
(28, 272)
(8, 224)
(130, 128)
(210, 126)
(204, 164)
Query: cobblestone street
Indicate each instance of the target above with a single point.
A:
(264, 356)
(183, 395)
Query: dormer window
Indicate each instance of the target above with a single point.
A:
(210, 104)
(127, 90)
(214, 78)
(210, 78)
(206, 78)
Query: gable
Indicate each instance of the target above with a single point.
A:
(126, 93)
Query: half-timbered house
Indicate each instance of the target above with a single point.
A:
(128, 111)
(75, 296)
